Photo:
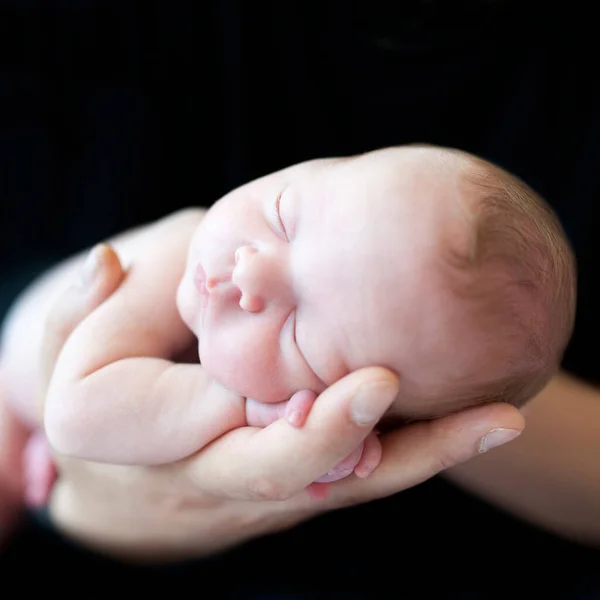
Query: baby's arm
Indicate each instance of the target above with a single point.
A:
(115, 394)
(23, 328)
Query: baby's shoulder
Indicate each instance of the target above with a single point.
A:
(185, 217)
(163, 240)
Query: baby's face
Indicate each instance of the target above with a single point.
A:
(298, 278)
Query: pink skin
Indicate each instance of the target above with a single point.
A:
(296, 279)
(273, 317)
(40, 471)
(305, 275)
(362, 461)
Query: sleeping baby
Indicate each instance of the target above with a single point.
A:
(429, 261)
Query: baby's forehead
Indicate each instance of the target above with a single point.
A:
(376, 198)
(385, 178)
(375, 227)
(402, 161)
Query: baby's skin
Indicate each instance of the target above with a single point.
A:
(287, 283)
(130, 401)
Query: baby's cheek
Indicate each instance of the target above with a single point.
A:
(250, 370)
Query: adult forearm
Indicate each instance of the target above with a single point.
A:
(13, 436)
(550, 475)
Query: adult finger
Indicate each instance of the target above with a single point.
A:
(419, 451)
(278, 461)
(99, 277)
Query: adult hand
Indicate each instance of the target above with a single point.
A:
(13, 437)
(250, 481)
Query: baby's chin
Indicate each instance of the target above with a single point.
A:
(236, 376)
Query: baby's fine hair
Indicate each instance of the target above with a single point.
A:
(519, 271)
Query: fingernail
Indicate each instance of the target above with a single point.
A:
(371, 401)
(90, 268)
(295, 418)
(497, 437)
(364, 471)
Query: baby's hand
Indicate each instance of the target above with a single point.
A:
(295, 410)
(362, 461)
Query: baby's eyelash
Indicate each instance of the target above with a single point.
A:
(278, 215)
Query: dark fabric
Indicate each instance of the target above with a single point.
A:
(115, 112)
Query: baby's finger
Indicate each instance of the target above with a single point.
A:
(279, 461)
(295, 410)
(259, 414)
(100, 276)
(371, 456)
(343, 468)
(298, 407)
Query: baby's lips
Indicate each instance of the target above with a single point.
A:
(200, 285)
(200, 278)
(343, 468)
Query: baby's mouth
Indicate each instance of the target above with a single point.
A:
(209, 287)
(200, 283)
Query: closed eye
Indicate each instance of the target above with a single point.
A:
(279, 225)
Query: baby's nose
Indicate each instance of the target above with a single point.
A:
(259, 277)
(244, 252)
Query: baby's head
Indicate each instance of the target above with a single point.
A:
(429, 261)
